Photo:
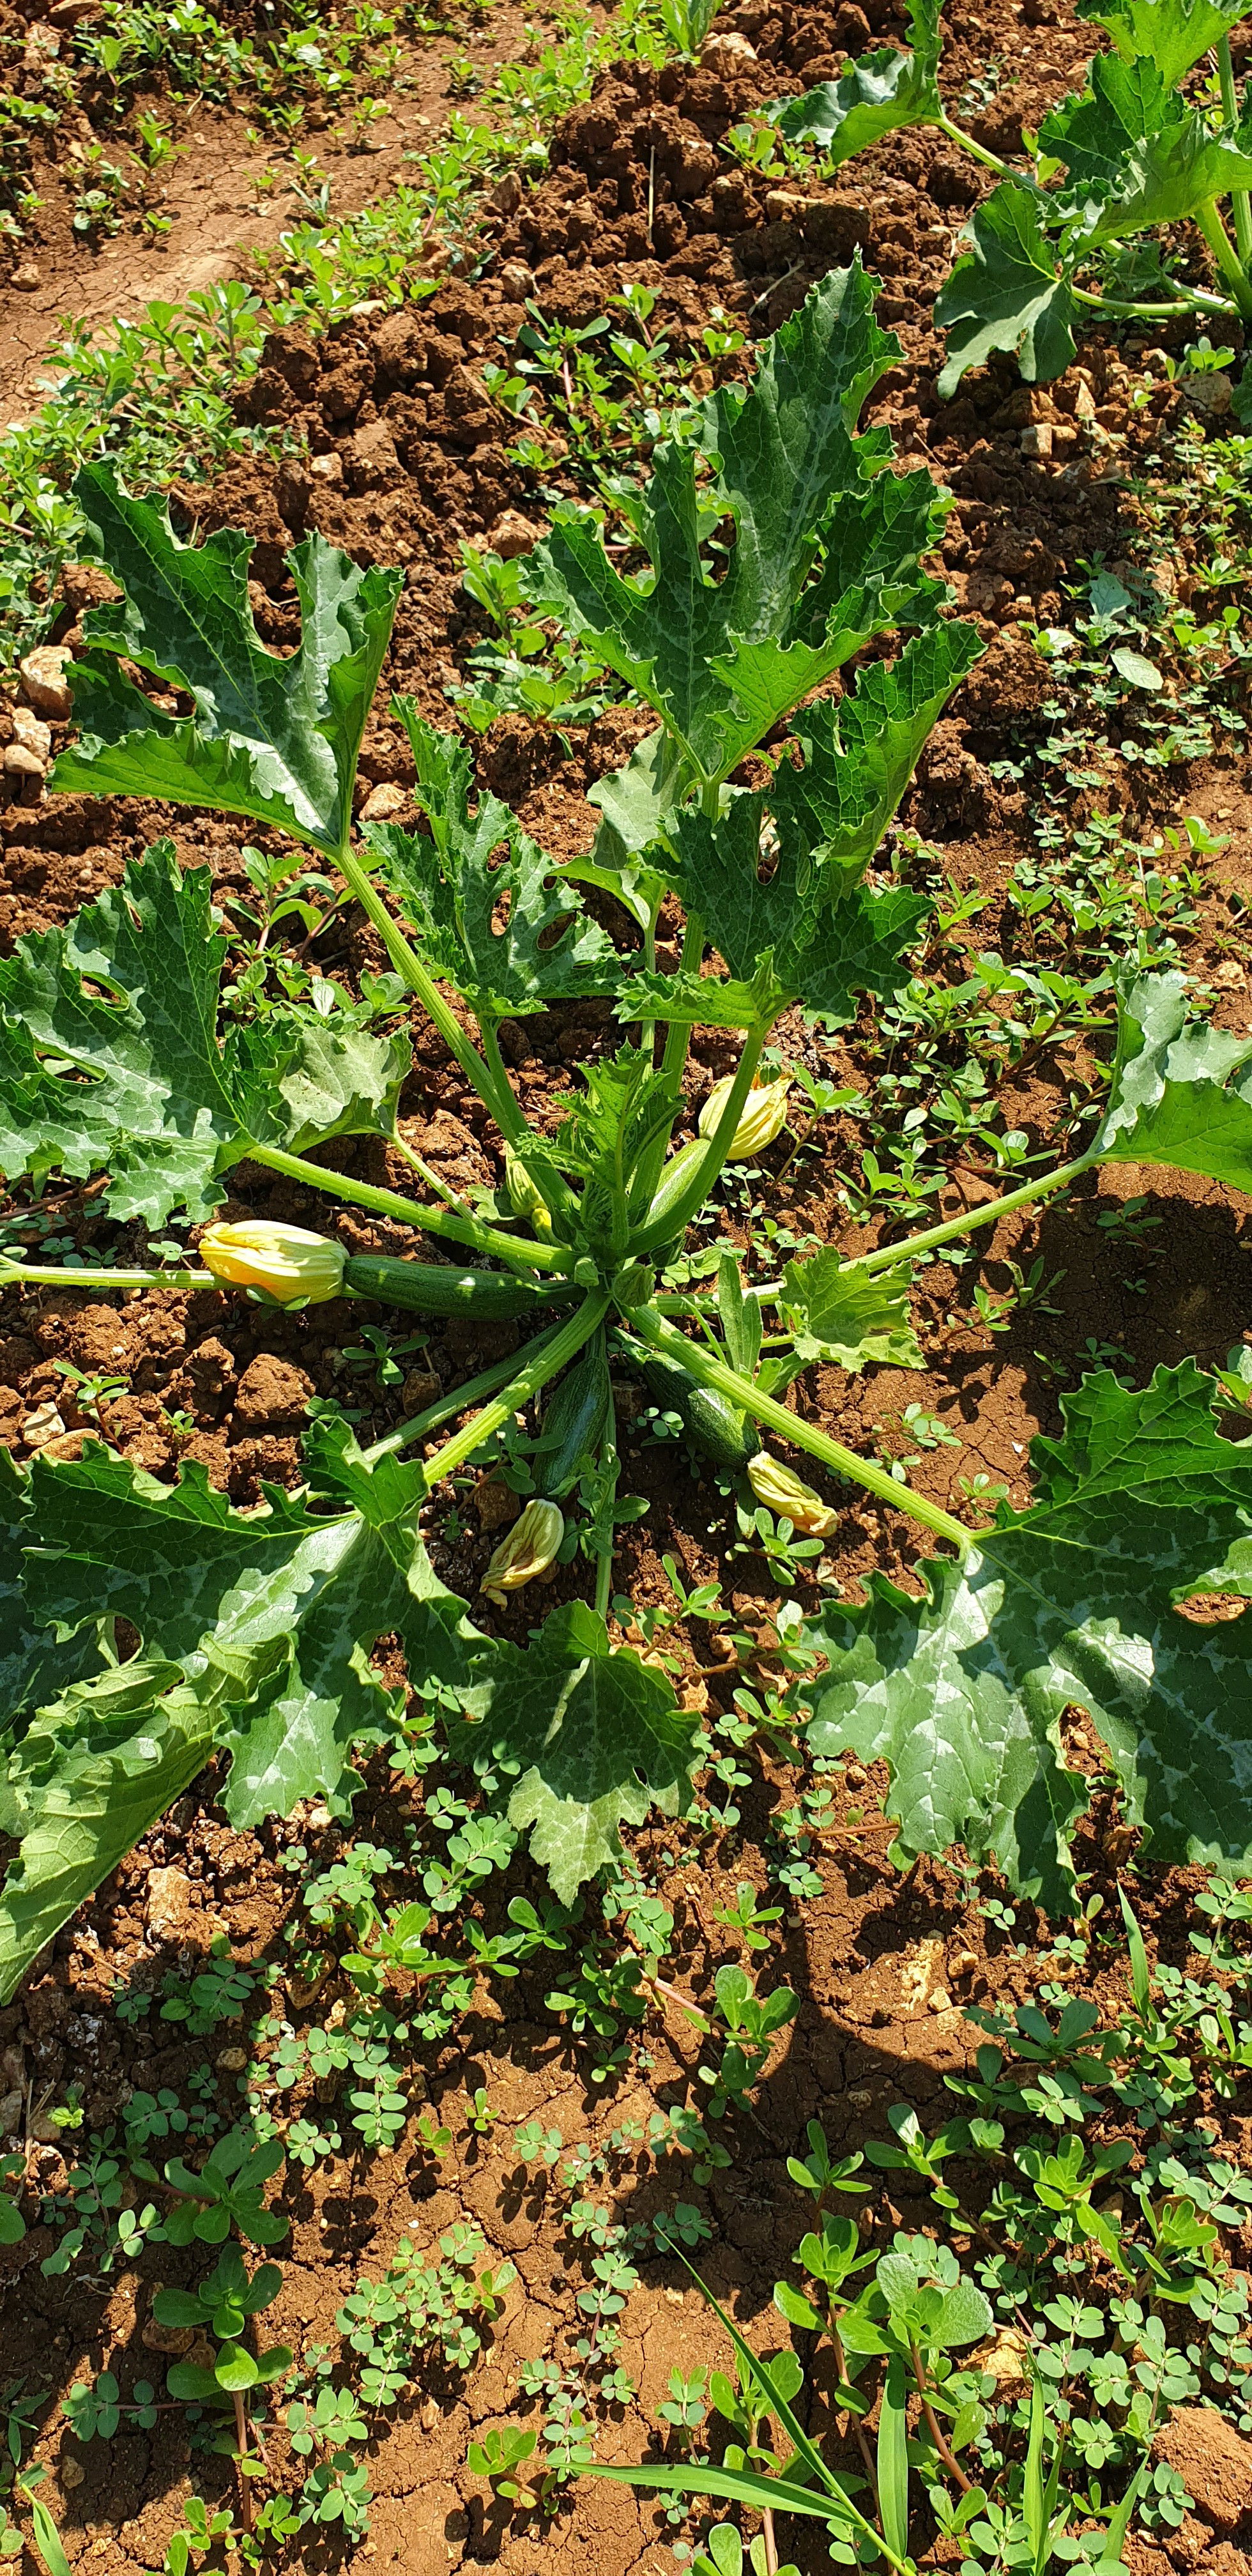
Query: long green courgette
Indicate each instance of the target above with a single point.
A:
(725, 1437)
(438, 1288)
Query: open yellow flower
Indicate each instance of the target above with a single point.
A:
(761, 1118)
(285, 1262)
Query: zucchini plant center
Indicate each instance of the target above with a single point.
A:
(257, 1629)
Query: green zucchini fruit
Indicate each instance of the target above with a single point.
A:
(725, 1436)
(577, 1417)
(675, 1178)
(437, 1288)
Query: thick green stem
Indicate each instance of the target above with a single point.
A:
(543, 1363)
(670, 1227)
(1226, 257)
(407, 963)
(20, 1274)
(701, 1365)
(516, 1249)
(1194, 299)
(678, 1039)
(557, 1196)
(989, 160)
(888, 1256)
(474, 1391)
(1239, 196)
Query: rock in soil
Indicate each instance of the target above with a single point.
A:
(1213, 2460)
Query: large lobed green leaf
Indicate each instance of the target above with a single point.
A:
(110, 1059)
(93, 1772)
(258, 1630)
(270, 737)
(1181, 1091)
(813, 947)
(836, 1312)
(1136, 156)
(286, 1604)
(1009, 291)
(454, 887)
(588, 1734)
(1172, 34)
(860, 751)
(34, 1663)
(722, 660)
(877, 93)
(807, 929)
(1140, 1506)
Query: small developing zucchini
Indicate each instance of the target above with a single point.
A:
(726, 1437)
(437, 1288)
(577, 1418)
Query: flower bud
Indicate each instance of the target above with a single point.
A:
(788, 1496)
(525, 1551)
(525, 1195)
(286, 1262)
(760, 1119)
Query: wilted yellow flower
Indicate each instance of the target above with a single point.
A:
(788, 1495)
(525, 1551)
(288, 1263)
(761, 1119)
(525, 1194)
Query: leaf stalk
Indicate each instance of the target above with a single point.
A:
(990, 160)
(1225, 256)
(671, 1226)
(1239, 206)
(887, 1256)
(543, 1363)
(708, 1371)
(407, 963)
(517, 1249)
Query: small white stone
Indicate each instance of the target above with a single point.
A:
(33, 734)
(383, 801)
(169, 1903)
(42, 1424)
(42, 674)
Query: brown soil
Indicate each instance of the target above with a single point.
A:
(883, 1964)
(217, 212)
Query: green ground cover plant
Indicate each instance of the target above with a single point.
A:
(257, 1631)
(1084, 228)
(1005, 2350)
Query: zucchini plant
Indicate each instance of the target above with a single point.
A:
(1080, 231)
(772, 544)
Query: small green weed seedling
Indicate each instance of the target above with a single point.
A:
(751, 2022)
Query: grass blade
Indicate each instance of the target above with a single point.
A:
(1140, 1973)
(1034, 2511)
(740, 2486)
(893, 2462)
(47, 2537)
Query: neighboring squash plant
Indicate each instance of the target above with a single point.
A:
(257, 1629)
(1075, 233)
